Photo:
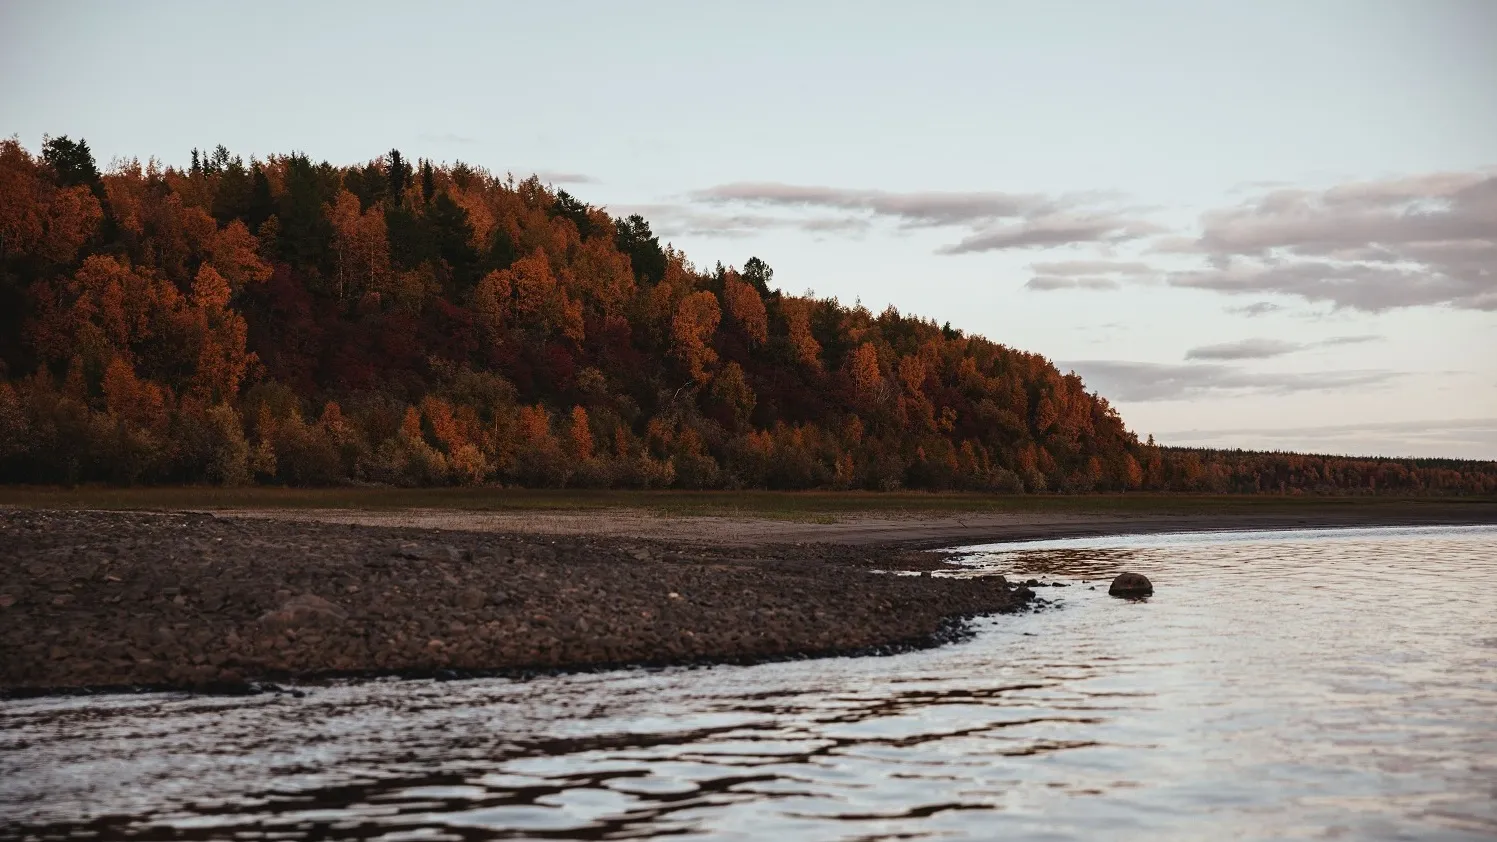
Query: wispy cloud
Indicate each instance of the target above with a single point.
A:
(669, 220)
(996, 220)
(919, 209)
(1053, 230)
(1244, 349)
(1257, 308)
(1142, 381)
(1085, 274)
(552, 177)
(1262, 349)
(1049, 283)
(1427, 239)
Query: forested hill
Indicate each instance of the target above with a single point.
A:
(285, 321)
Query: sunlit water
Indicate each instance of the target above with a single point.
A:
(1277, 686)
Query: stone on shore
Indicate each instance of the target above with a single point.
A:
(1130, 585)
(305, 610)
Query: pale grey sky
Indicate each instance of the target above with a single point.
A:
(1268, 224)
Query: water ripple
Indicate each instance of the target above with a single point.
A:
(1276, 686)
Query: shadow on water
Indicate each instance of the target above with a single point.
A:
(1277, 687)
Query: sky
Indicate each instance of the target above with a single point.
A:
(1262, 225)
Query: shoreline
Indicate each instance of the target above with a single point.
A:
(953, 629)
(96, 600)
(887, 531)
(237, 601)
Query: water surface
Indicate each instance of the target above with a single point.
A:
(1291, 685)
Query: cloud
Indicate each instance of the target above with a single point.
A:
(1257, 308)
(997, 220)
(1091, 267)
(920, 209)
(550, 177)
(1139, 381)
(1421, 240)
(1262, 349)
(1375, 245)
(1244, 349)
(1472, 438)
(668, 220)
(1047, 283)
(1358, 286)
(1054, 230)
(1084, 274)
(1349, 340)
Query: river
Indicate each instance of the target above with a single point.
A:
(1278, 685)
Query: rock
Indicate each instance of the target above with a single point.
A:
(472, 599)
(1131, 584)
(305, 610)
(6, 600)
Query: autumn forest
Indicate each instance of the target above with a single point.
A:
(398, 322)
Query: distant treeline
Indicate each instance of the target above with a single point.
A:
(285, 321)
(1257, 472)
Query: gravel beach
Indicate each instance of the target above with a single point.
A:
(233, 598)
(194, 600)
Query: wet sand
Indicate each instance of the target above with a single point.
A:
(901, 530)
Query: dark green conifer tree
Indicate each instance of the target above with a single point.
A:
(634, 238)
(305, 236)
(73, 162)
(398, 174)
(758, 274)
(428, 183)
(452, 235)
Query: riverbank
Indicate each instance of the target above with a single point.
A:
(763, 518)
(193, 600)
(903, 530)
(258, 587)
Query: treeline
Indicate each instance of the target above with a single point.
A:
(1258, 472)
(285, 321)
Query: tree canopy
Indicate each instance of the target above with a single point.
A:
(285, 321)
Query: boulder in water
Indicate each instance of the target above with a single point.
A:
(1131, 584)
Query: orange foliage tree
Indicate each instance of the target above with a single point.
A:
(285, 321)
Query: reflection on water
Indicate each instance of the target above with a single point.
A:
(1278, 685)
